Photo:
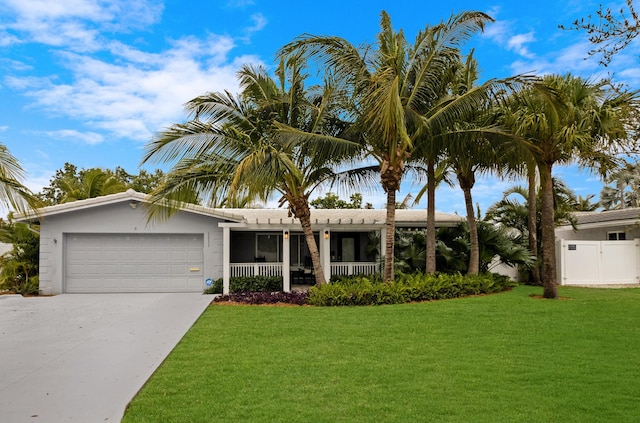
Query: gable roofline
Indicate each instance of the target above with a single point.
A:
(120, 197)
(249, 217)
(606, 218)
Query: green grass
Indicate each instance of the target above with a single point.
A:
(499, 358)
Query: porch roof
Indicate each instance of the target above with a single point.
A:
(339, 217)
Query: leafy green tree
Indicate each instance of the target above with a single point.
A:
(232, 147)
(70, 184)
(332, 201)
(144, 181)
(566, 119)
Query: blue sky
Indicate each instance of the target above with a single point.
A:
(90, 81)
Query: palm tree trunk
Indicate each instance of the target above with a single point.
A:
(549, 278)
(474, 247)
(389, 242)
(431, 217)
(532, 224)
(301, 210)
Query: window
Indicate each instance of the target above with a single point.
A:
(267, 247)
(616, 236)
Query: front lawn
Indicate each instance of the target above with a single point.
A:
(506, 357)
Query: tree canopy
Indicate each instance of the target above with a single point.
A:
(70, 183)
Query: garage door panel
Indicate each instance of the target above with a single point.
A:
(133, 263)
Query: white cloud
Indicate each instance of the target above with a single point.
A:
(84, 137)
(240, 3)
(259, 22)
(7, 39)
(518, 43)
(497, 31)
(74, 24)
(503, 34)
(139, 93)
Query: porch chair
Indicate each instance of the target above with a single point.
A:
(307, 271)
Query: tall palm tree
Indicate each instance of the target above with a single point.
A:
(565, 119)
(478, 145)
(232, 149)
(402, 102)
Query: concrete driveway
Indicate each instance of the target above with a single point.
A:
(82, 357)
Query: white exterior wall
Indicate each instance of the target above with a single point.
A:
(598, 233)
(120, 218)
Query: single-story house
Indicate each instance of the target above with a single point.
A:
(603, 250)
(106, 244)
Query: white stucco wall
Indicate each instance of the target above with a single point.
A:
(120, 218)
(596, 234)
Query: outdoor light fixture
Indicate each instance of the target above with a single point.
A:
(133, 204)
(286, 234)
(326, 234)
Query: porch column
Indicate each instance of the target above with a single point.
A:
(325, 252)
(226, 260)
(383, 244)
(286, 261)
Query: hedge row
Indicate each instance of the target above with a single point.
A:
(406, 288)
(248, 284)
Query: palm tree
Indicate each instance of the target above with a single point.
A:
(92, 183)
(625, 191)
(532, 218)
(564, 119)
(478, 145)
(498, 244)
(232, 147)
(13, 194)
(402, 101)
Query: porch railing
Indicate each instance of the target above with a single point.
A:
(354, 268)
(275, 269)
(255, 269)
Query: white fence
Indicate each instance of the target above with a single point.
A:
(598, 262)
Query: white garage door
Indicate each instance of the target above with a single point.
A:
(134, 263)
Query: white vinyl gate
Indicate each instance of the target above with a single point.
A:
(134, 263)
(598, 262)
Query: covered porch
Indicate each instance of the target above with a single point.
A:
(269, 242)
(285, 253)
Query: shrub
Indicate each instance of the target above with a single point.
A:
(279, 297)
(248, 284)
(30, 286)
(19, 267)
(216, 288)
(406, 288)
(367, 290)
